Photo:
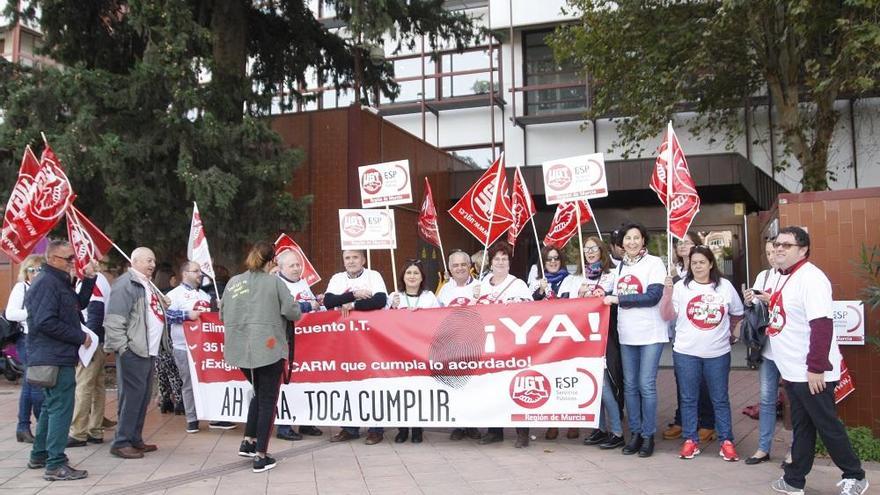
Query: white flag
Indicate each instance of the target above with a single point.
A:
(197, 248)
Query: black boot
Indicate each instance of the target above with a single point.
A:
(598, 436)
(647, 449)
(522, 438)
(166, 406)
(416, 435)
(402, 435)
(634, 445)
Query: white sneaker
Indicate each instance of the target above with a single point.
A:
(782, 487)
(850, 486)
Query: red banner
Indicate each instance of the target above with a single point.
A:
(428, 228)
(523, 207)
(535, 363)
(309, 274)
(488, 194)
(564, 224)
(685, 200)
(88, 242)
(39, 198)
(845, 386)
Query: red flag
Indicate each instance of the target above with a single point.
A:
(197, 246)
(685, 200)
(472, 211)
(564, 224)
(428, 228)
(285, 243)
(522, 206)
(41, 194)
(88, 242)
(845, 385)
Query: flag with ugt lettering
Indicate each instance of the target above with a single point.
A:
(88, 242)
(285, 243)
(428, 228)
(197, 247)
(484, 210)
(564, 224)
(38, 200)
(522, 206)
(685, 202)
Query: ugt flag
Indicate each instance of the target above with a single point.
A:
(428, 228)
(88, 242)
(565, 224)
(523, 207)
(285, 243)
(685, 203)
(486, 204)
(39, 198)
(197, 247)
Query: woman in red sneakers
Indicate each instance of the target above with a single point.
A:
(706, 309)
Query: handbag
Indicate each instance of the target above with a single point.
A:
(754, 329)
(42, 376)
(10, 331)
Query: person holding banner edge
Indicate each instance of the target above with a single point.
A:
(362, 289)
(256, 310)
(498, 287)
(638, 289)
(414, 296)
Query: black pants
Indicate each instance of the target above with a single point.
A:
(261, 412)
(811, 414)
(134, 380)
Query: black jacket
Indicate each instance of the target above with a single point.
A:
(54, 332)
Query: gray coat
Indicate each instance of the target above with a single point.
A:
(256, 309)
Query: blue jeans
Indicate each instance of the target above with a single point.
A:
(610, 410)
(640, 363)
(31, 398)
(769, 375)
(691, 371)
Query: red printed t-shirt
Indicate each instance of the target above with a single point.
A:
(702, 328)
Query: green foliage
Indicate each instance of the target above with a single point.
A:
(650, 60)
(865, 444)
(869, 263)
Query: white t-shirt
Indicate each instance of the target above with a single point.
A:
(425, 300)
(453, 295)
(15, 310)
(300, 290)
(511, 289)
(805, 296)
(761, 282)
(595, 288)
(371, 280)
(702, 328)
(186, 299)
(640, 326)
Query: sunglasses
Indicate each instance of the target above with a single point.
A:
(551, 258)
(34, 269)
(69, 259)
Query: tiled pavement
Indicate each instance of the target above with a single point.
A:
(206, 463)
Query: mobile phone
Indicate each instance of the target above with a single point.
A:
(757, 292)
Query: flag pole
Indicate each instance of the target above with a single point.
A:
(593, 216)
(393, 261)
(538, 244)
(492, 213)
(577, 212)
(369, 267)
(442, 254)
(669, 171)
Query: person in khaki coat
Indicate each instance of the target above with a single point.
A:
(256, 312)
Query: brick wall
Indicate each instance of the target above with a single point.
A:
(839, 223)
(336, 142)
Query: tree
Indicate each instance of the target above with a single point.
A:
(141, 132)
(651, 59)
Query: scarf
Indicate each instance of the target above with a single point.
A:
(594, 270)
(628, 261)
(555, 279)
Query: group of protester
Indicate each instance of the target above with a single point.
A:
(695, 308)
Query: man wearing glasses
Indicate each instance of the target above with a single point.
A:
(805, 351)
(54, 337)
(188, 297)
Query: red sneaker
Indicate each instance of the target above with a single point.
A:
(689, 449)
(728, 452)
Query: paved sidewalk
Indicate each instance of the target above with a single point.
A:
(206, 463)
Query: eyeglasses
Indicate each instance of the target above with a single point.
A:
(591, 249)
(69, 259)
(551, 258)
(784, 245)
(34, 269)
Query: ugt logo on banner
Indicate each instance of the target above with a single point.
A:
(385, 184)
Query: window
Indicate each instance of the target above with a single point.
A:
(477, 156)
(475, 83)
(563, 89)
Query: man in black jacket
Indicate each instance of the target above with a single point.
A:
(54, 338)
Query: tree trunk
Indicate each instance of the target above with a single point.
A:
(229, 26)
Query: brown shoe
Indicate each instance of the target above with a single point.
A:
(126, 452)
(147, 447)
(107, 423)
(373, 438)
(342, 436)
(572, 433)
(706, 435)
(551, 433)
(673, 432)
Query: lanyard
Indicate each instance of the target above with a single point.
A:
(777, 291)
